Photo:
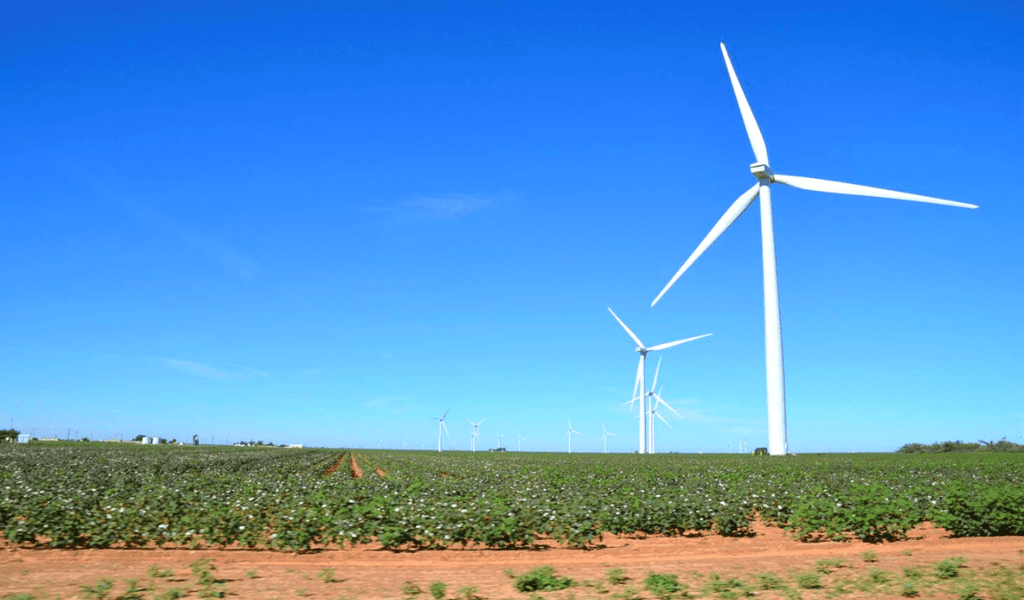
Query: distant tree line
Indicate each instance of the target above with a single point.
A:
(9, 435)
(958, 446)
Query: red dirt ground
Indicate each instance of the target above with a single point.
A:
(369, 572)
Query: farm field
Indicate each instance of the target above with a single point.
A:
(69, 512)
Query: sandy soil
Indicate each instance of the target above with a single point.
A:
(369, 572)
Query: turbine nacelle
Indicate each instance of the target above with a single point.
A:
(763, 172)
(641, 350)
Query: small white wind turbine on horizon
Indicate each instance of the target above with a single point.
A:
(604, 438)
(475, 433)
(640, 382)
(440, 425)
(569, 433)
(521, 438)
(500, 435)
(776, 386)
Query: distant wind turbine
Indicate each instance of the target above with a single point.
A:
(440, 425)
(776, 385)
(475, 433)
(569, 433)
(640, 382)
(521, 438)
(604, 438)
(499, 440)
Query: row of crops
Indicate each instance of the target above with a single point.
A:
(81, 495)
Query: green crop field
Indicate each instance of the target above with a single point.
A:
(96, 495)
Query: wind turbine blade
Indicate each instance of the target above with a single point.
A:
(445, 428)
(656, 369)
(836, 187)
(630, 332)
(670, 344)
(668, 406)
(636, 384)
(741, 204)
(445, 414)
(664, 421)
(753, 131)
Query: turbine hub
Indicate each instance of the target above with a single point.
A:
(763, 173)
(642, 351)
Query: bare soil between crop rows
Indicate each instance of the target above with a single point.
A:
(371, 572)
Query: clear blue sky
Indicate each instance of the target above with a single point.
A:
(327, 226)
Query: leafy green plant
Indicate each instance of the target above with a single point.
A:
(909, 590)
(155, 571)
(869, 556)
(438, 589)
(327, 575)
(201, 570)
(877, 576)
(768, 581)
(949, 568)
(809, 581)
(663, 585)
(827, 565)
(467, 592)
(172, 594)
(616, 576)
(411, 588)
(134, 592)
(251, 574)
(541, 579)
(98, 591)
(967, 591)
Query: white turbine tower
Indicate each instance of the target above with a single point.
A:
(499, 440)
(640, 382)
(521, 438)
(473, 436)
(776, 386)
(569, 433)
(440, 424)
(604, 438)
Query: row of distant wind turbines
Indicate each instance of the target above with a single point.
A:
(441, 427)
(775, 384)
(776, 391)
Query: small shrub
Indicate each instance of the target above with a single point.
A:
(172, 594)
(411, 588)
(949, 568)
(467, 592)
(827, 565)
(662, 585)
(201, 571)
(541, 579)
(967, 591)
(912, 572)
(155, 571)
(878, 576)
(869, 556)
(616, 576)
(134, 592)
(300, 592)
(328, 576)
(98, 591)
(438, 589)
(809, 581)
(209, 591)
(909, 590)
(907, 552)
(251, 574)
(769, 581)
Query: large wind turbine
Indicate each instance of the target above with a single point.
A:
(776, 385)
(569, 433)
(604, 438)
(475, 433)
(440, 424)
(640, 380)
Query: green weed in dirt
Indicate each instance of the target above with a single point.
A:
(98, 591)
(949, 568)
(809, 581)
(663, 585)
(541, 579)
(616, 576)
(155, 571)
(411, 588)
(438, 589)
(869, 556)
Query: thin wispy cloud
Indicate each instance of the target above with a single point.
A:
(435, 207)
(198, 369)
